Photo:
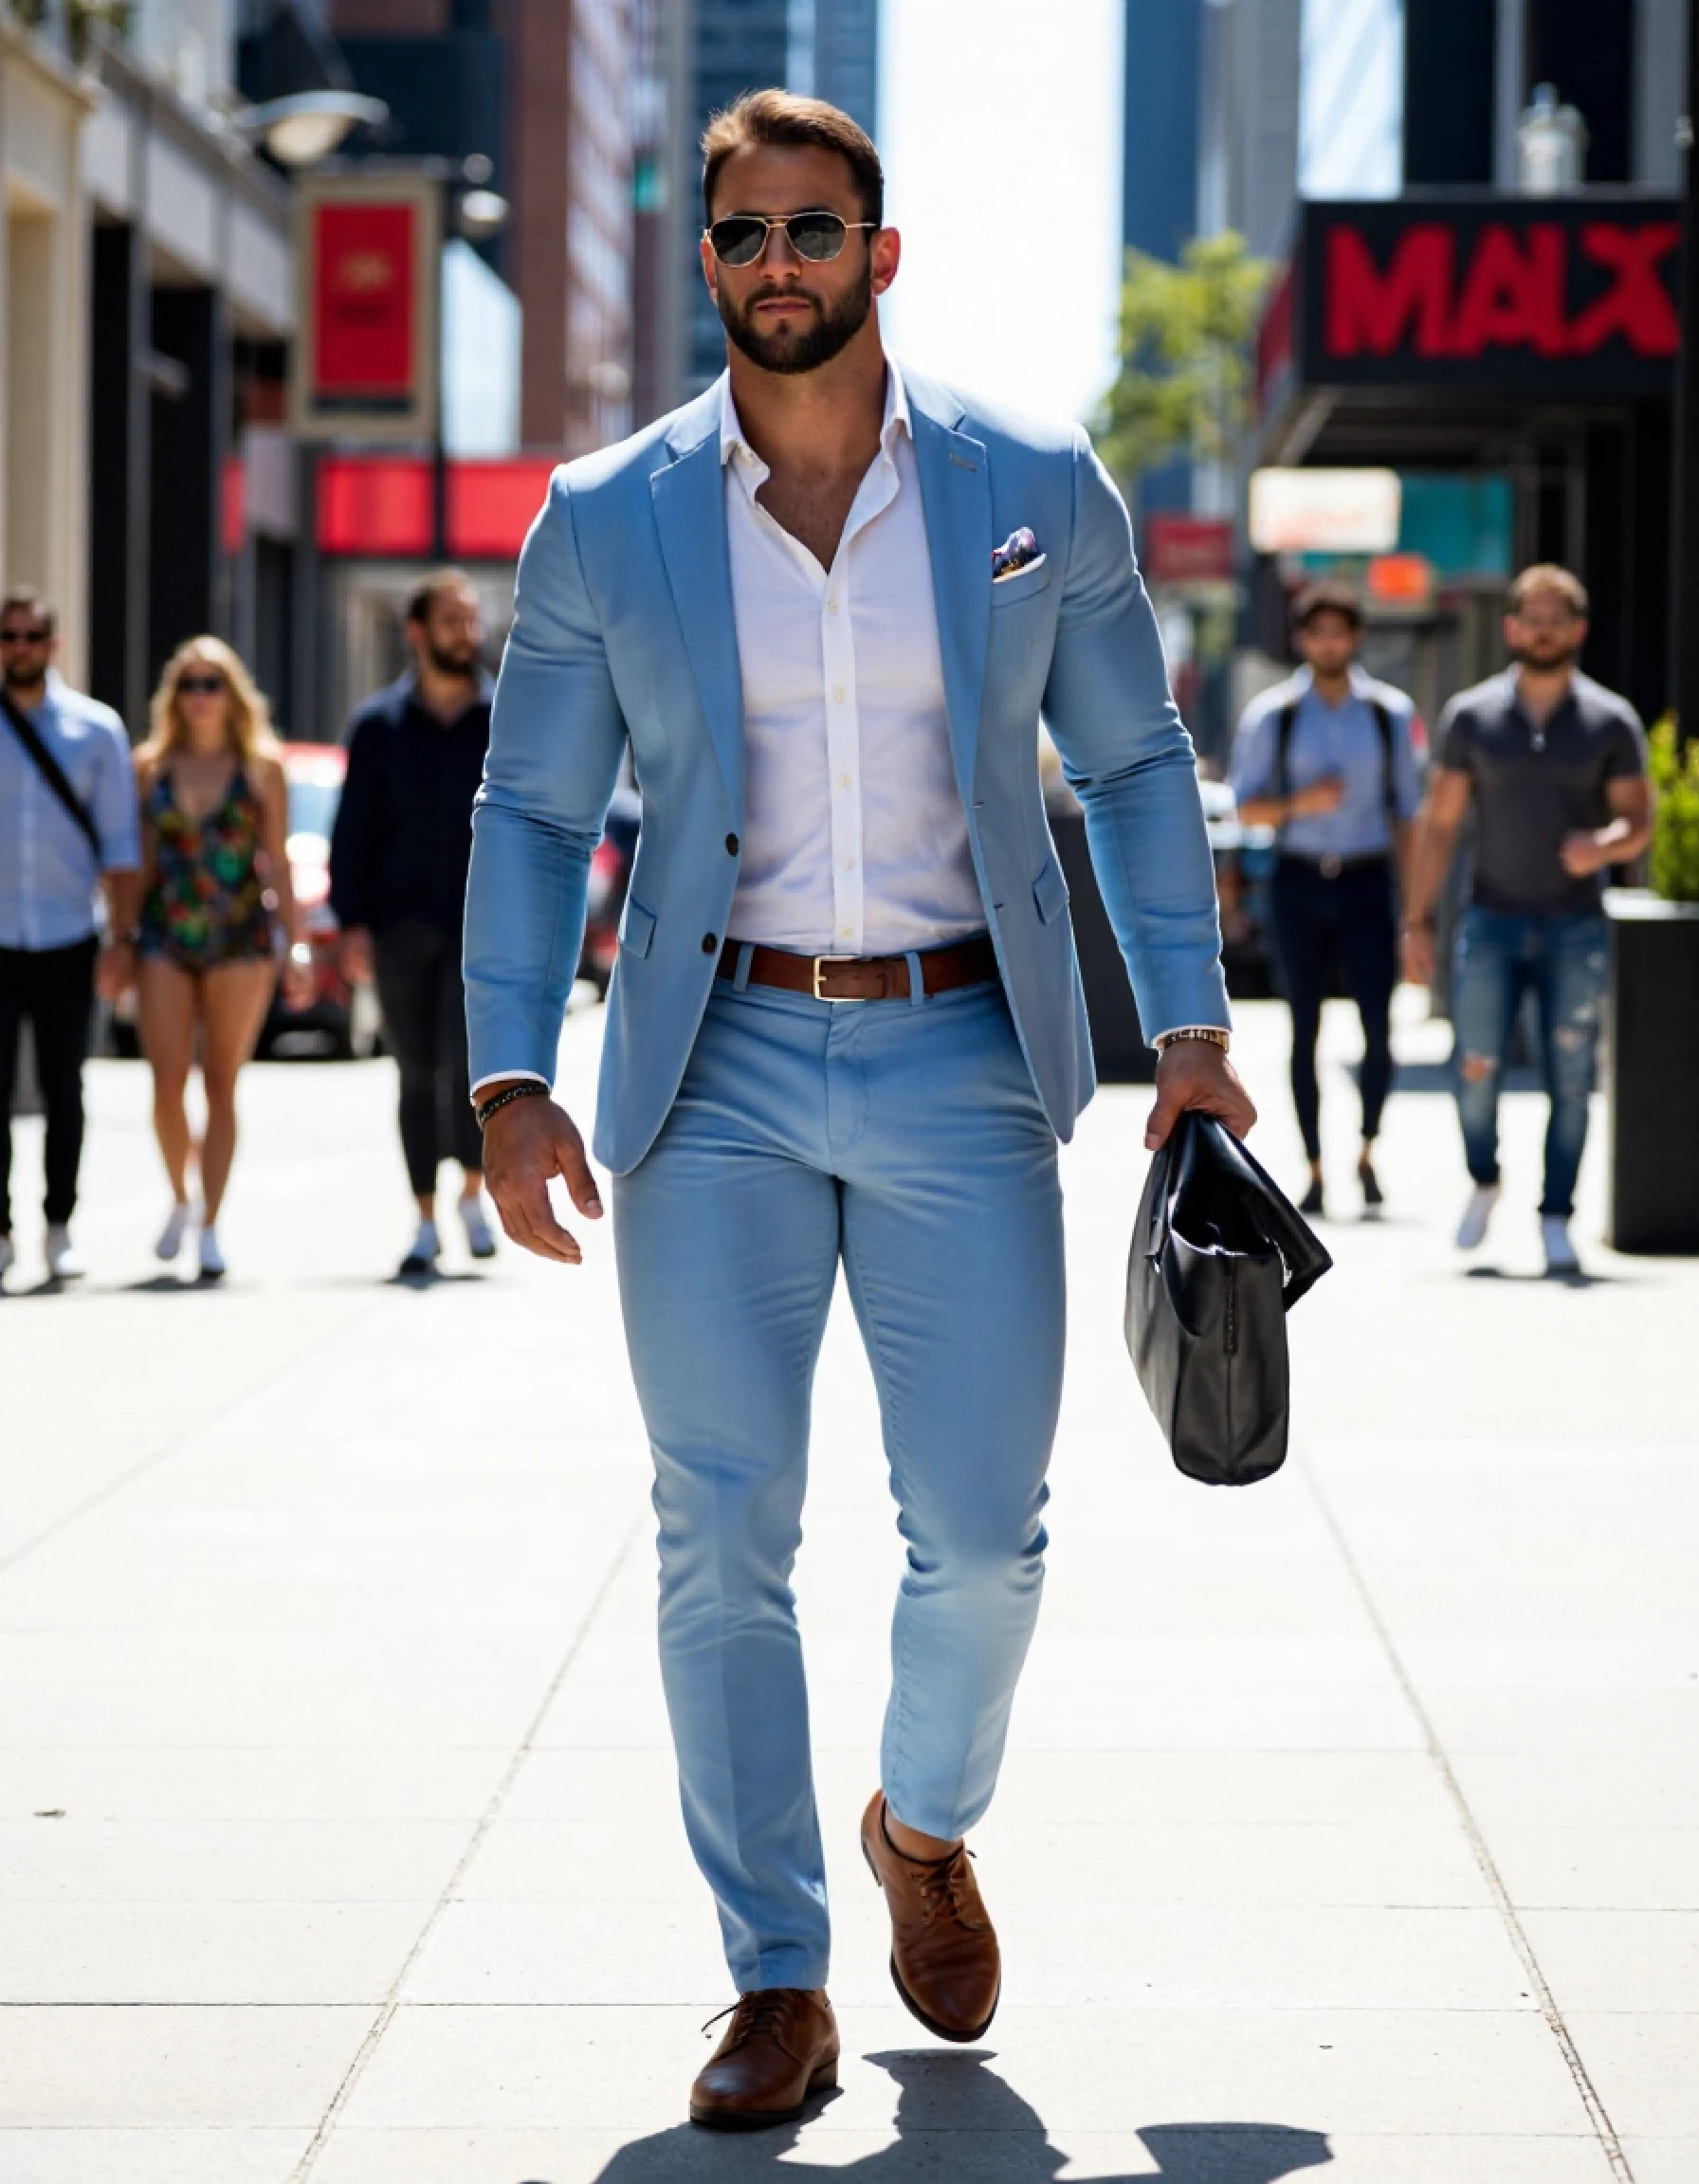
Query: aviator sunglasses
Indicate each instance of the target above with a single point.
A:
(199, 685)
(741, 237)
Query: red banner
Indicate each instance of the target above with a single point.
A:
(365, 343)
(1186, 548)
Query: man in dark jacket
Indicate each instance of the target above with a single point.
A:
(398, 880)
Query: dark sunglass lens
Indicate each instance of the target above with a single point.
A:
(200, 685)
(737, 241)
(818, 236)
(23, 636)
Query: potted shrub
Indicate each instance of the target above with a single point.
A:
(1652, 1075)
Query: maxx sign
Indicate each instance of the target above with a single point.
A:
(1562, 297)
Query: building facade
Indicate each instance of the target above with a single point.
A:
(1496, 347)
(543, 91)
(45, 102)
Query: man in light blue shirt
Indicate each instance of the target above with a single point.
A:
(1330, 758)
(68, 825)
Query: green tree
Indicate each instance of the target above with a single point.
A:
(1186, 332)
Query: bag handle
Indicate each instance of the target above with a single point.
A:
(51, 771)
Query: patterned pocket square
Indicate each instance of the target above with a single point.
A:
(1016, 552)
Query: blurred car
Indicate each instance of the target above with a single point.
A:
(1244, 861)
(604, 901)
(341, 1021)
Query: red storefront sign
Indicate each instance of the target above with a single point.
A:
(378, 505)
(382, 505)
(1562, 297)
(1185, 549)
(366, 250)
(364, 338)
(492, 504)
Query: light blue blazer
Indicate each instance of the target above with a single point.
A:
(623, 633)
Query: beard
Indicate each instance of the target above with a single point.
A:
(459, 659)
(18, 675)
(1545, 659)
(786, 352)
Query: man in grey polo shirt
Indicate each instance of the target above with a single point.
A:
(1556, 765)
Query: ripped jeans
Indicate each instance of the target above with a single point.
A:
(1564, 960)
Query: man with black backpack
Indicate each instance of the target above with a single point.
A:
(67, 826)
(1330, 758)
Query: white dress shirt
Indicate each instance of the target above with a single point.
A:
(854, 838)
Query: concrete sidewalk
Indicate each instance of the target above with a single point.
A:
(1350, 1823)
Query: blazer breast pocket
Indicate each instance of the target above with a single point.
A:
(1025, 584)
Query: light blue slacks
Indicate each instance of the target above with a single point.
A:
(906, 1139)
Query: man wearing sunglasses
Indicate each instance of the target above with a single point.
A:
(68, 828)
(824, 604)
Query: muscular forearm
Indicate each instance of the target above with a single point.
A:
(123, 901)
(1429, 862)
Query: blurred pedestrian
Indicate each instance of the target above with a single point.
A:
(67, 834)
(1555, 767)
(1329, 758)
(214, 810)
(399, 859)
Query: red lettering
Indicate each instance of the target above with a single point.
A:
(1368, 310)
(1636, 305)
(1512, 295)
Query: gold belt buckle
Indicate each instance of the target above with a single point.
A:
(819, 962)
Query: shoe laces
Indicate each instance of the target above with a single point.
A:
(761, 2012)
(944, 1889)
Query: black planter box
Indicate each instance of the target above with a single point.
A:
(1651, 1073)
(1117, 1041)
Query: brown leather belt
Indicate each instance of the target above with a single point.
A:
(865, 977)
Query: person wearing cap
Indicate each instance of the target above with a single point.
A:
(1330, 760)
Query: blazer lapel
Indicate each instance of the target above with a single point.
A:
(689, 505)
(955, 495)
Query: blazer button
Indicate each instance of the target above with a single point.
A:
(732, 845)
(709, 943)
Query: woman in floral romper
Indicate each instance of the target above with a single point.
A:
(215, 891)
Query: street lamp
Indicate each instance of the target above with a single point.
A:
(303, 130)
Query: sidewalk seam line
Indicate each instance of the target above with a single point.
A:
(1596, 2113)
(491, 1813)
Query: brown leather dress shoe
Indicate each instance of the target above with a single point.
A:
(780, 2045)
(945, 1956)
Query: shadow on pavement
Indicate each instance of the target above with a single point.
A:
(944, 2099)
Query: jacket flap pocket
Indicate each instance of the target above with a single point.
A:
(1050, 892)
(637, 928)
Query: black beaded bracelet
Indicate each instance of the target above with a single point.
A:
(525, 1091)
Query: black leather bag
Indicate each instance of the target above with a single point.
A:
(1219, 1258)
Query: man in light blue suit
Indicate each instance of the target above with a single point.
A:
(822, 607)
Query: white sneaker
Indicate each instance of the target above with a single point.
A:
(426, 1251)
(1560, 1253)
(9, 1254)
(1472, 1230)
(64, 1261)
(212, 1267)
(170, 1237)
(480, 1240)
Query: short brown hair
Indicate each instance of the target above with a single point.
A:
(1547, 577)
(786, 119)
(429, 590)
(1327, 598)
(26, 599)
